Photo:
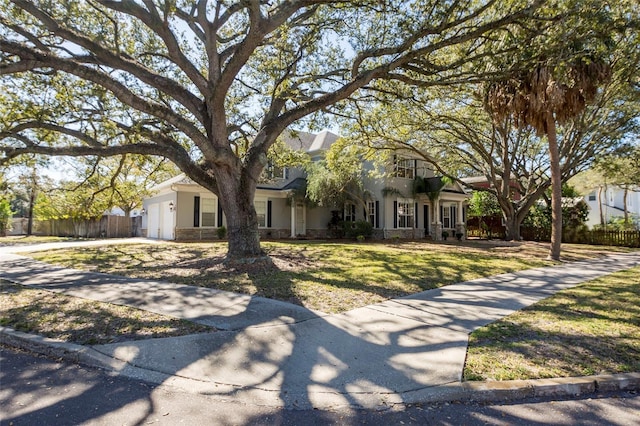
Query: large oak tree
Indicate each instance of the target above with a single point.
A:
(210, 85)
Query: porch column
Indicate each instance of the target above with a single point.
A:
(460, 225)
(293, 219)
(437, 223)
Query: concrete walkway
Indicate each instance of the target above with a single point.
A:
(273, 353)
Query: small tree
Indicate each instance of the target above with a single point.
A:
(339, 177)
(5, 216)
(483, 204)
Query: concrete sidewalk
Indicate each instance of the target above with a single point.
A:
(267, 352)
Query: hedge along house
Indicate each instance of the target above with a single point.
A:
(408, 202)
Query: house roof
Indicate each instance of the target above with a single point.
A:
(309, 142)
(298, 140)
(179, 179)
(436, 184)
(323, 141)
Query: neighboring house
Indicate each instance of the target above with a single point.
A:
(182, 210)
(607, 202)
(481, 182)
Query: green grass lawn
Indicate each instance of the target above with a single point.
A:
(325, 276)
(590, 329)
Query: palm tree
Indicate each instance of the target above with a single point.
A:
(540, 98)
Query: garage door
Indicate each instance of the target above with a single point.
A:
(153, 224)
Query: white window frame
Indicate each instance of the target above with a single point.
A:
(405, 168)
(273, 172)
(446, 217)
(214, 202)
(371, 213)
(406, 214)
(264, 204)
(349, 212)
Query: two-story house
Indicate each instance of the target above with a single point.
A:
(396, 206)
(608, 202)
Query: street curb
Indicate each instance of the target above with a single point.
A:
(78, 354)
(487, 391)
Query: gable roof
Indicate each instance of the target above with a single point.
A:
(298, 140)
(309, 142)
(323, 141)
(179, 179)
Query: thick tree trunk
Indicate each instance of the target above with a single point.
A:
(512, 228)
(236, 198)
(556, 189)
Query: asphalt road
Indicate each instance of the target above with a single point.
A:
(35, 390)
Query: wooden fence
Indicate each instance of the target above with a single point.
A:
(104, 227)
(581, 236)
(598, 237)
(487, 228)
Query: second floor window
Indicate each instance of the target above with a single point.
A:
(272, 171)
(405, 168)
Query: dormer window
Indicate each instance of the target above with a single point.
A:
(405, 168)
(272, 172)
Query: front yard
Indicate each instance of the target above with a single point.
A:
(590, 329)
(329, 277)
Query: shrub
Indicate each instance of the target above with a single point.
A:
(5, 216)
(354, 229)
(221, 232)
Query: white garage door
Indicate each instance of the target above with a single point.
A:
(153, 221)
(166, 217)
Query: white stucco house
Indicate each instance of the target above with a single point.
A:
(608, 201)
(180, 209)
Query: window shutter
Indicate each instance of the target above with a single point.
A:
(425, 209)
(415, 214)
(395, 214)
(269, 214)
(377, 214)
(196, 212)
(415, 174)
(454, 216)
(219, 214)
